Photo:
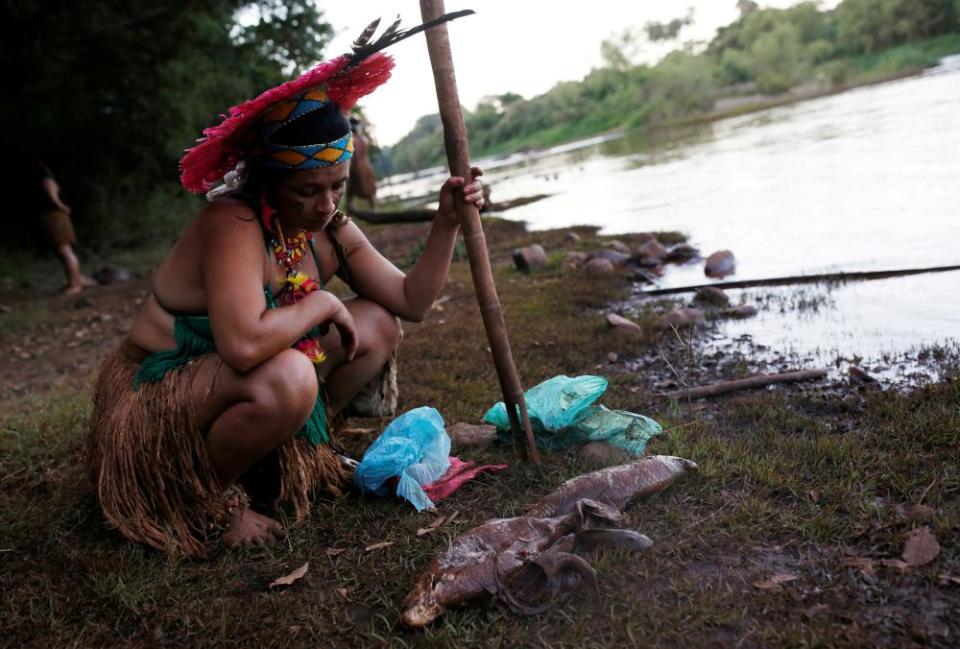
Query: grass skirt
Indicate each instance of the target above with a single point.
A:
(150, 471)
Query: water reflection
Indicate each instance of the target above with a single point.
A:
(865, 180)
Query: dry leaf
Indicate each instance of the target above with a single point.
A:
(921, 547)
(949, 580)
(332, 552)
(437, 522)
(814, 495)
(865, 564)
(344, 593)
(292, 577)
(915, 512)
(902, 566)
(382, 544)
(773, 582)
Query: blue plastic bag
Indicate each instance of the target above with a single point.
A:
(554, 404)
(562, 414)
(416, 448)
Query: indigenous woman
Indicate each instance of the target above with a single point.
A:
(221, 394)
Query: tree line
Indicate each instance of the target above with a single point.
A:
(765, 51)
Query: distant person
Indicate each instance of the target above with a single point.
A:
(363, 181)
(43, 200)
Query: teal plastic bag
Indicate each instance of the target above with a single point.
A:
(415, 448)
(626, 430)
(554, 404)
(563, 413)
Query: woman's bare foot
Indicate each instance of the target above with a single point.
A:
(248, 528)
(71, 289)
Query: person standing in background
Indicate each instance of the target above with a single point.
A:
(363, 180)
(43, 200)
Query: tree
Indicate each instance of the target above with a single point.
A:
(110, 92)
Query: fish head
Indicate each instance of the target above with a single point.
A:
(420, 607)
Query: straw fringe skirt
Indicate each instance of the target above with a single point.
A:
(149, 466)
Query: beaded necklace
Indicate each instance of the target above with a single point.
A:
(297, 284)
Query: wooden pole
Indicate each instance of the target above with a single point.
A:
(458, 159)
(805, 279)
(757, 381)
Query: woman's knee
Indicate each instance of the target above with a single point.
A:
(382, 329)
(287, 384)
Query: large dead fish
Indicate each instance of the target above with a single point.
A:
(527, 561)
(617, 486)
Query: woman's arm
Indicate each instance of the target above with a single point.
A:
(245, 332)
(410, 296)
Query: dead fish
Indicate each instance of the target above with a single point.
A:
(527, 561)
(617, 486)
(506, 558)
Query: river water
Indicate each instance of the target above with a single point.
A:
(864, 180)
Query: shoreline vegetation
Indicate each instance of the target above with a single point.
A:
(768, 58)
(793, 532)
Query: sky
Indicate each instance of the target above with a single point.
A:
(520, 46)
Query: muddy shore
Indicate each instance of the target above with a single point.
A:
(790, 534)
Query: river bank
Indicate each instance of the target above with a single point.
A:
(790, 533)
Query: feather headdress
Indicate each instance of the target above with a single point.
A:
(345, 79)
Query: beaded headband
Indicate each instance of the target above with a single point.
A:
(299, 156)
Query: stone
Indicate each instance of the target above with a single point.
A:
(681, 253)
(619, 246)
(720, 264)
(652, 250)
(600, 454)
(711, 296)
(740, 311)
(616, 258)
(112, 275)
(612, 357)
(530, 257)
(623, 325)
(858, 375)
(599, 266)
(577, 258)
(680, 319)
(464, 434)
(571, 237)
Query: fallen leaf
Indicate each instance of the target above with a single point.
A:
(377, 546)
(773, 582)
(865, 564)
(921, 547)
(344, 593)
(902, 566)
(292, 577)
(949, 580)
(915, 512)
(332, 552)
(814, 495)
(437, 522)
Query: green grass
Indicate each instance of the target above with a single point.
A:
(779, 491)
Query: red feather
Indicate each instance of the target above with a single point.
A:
(223, 145)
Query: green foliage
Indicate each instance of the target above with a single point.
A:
(109, 93)
(866, 26)
(767, 51)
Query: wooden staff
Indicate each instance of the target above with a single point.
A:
(458, 159)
